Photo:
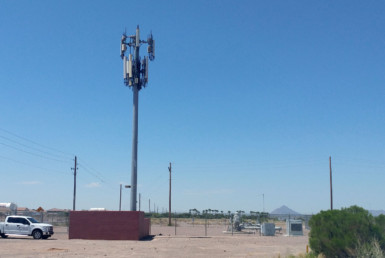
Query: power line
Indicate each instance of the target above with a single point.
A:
(36, 149)
(30, 165)
(90, 167)
(91, 173)
(41, 145)
(31, 153)
(58, 156)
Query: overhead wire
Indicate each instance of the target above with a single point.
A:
(91, 173)
(56, 158)
(53, 154)
(33, 148)
(31, 165)
(31, 153)
(36, 143)
(90, 168)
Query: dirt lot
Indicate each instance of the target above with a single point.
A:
(189, 241)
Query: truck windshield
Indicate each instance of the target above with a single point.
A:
(32, 220)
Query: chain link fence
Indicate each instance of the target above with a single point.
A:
(193, 226)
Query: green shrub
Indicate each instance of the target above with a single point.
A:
(371, 249)
(341, 233)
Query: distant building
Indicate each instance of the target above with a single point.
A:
(56, 211)
(8, 208)
(23, 211)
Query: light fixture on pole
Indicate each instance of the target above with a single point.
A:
(135, 74)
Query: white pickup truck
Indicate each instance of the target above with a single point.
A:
(24, 225)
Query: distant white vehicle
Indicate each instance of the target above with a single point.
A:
(27, 226)
(97, 209)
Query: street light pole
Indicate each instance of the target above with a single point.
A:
(120, 198)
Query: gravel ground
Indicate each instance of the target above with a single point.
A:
(189, 241)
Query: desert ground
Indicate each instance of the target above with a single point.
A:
(184, 240)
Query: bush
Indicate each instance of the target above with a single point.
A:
(372, 249)
(343, 233)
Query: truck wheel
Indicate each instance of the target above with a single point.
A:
(37, 234)
(3, 235)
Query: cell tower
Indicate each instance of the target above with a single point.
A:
(135, 74)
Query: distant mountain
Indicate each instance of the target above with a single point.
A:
(284, 210)
(377, 212)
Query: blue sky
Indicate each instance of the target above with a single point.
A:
(244, 98)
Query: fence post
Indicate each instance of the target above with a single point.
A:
(175, 225)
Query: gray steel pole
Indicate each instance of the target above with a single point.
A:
(136, 76)
(139, 201)
(135, 90)
(134, 149)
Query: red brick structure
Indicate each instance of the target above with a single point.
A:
(108, 225)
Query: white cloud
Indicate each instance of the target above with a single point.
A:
(93, 185)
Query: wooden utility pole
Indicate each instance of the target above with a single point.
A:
(75, 168)
(169, 199)
(149, 206)
(331, 184)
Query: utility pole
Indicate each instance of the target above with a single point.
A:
(169, 199)
(74, 169)
(263, 199)
(120, 198)
(135, 74)
(139, 201)
(331, 185)
(149, 206)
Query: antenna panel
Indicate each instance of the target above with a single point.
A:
(123, 47)
(125, 67)
(129, 66)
